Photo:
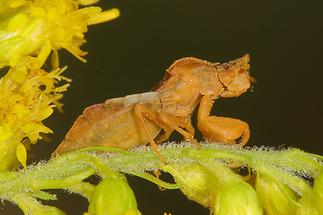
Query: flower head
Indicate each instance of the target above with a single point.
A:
(36, 27)
(28, 95)
(29, 31)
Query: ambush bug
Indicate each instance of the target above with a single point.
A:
(139, 119)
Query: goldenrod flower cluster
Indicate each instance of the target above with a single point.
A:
(37, 27)
(31, 31)
(27, 96)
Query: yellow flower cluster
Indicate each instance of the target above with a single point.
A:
(36, 27)
(30, 30)
(27, 96)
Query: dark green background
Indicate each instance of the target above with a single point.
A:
(130, 55)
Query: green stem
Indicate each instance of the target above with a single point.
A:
(69, 171)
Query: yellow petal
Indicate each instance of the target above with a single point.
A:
(5, 133)
(87, 2)
(19, 74)
(45, 113)
(20, 110)
(17, 3)
(18, 22)
(33, 129)
(104, 16)
(21, 154)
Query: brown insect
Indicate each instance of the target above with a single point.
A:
(139, 119)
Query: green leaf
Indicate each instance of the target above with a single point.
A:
(44, 195)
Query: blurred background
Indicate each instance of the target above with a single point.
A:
(129, 55)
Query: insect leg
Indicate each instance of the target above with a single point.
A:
(165, 136)
(245, 137)
(166, 123)
(154, 116)
(189, 127)
(221, 129)
(186, 135)
(140, 114)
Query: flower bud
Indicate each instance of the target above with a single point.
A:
(30, 205)
(236, 197)
(308, 205)
(318, 191)
(113, 196)
(48, 210)
(195, 181)
(276, 198)
(311, 202)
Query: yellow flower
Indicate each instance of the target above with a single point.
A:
(29, 31)
(37, 27)
(28, 95)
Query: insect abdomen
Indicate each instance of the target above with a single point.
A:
(107, 124)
